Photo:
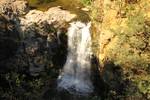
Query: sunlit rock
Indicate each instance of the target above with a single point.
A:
(17, 7)
(42, 21)
(57, 14)
(85, 9)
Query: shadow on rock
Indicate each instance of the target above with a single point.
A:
(9, 38)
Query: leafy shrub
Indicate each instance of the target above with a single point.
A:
(130, 48)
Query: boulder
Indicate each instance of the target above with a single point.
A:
(40, 22)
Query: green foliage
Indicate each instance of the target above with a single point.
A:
(131, 48)
(134, 37)
(144, 87)
(86, 2)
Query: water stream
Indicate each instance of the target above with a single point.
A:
(75, 77)
(74, 6)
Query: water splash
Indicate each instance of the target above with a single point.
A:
(75, 77)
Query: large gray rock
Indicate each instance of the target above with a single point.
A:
(41, 35)
(41, 22)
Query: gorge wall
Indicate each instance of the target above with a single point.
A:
(32, 43)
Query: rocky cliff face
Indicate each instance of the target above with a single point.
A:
(31, 38)
(42, 32)
(31, 42)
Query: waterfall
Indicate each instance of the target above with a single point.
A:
(75, 76)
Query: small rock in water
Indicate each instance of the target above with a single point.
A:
(78, 7)
(85, 9)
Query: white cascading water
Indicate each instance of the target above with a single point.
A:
(75, 76)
